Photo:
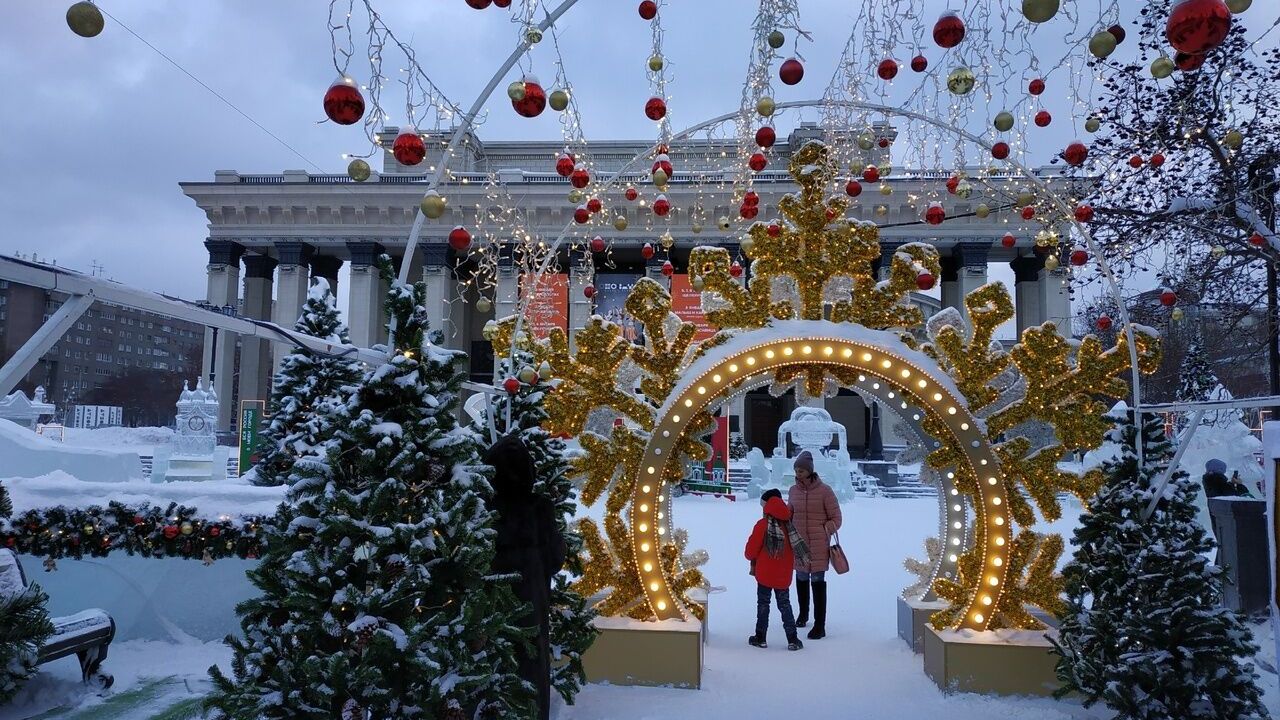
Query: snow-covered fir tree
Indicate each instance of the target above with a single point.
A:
(1145, 632)
(1197, 379)
(376, 598)
(24, 623)
(571, 629)
(305, 382)
(738, 447)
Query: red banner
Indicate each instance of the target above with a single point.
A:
(686, 303)
(549, 307)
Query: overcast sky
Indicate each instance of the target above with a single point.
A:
(99, 132)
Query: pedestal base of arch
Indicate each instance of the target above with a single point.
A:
(631, 652)
(996, 662)
(913, 619)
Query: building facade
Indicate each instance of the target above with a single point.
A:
(269, 234)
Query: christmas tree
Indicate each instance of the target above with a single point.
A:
(1197, 378)
(1145, 631)
(24, 626)
(377, 600)
(305, 383)
(571, 629)
(738, 447)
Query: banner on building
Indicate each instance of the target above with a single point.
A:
(549, 306)
(251, 414)
(611, 301)
(686, 303)
(92, 416)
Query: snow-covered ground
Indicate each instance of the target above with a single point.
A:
(141, 439)
(861, 670)
(212, 498)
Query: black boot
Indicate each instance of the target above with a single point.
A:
(802, 599)
(819, 629)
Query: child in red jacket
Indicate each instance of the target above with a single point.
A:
(772, 549)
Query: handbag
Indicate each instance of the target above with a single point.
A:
(839, 561)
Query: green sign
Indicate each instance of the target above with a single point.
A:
(250, 429)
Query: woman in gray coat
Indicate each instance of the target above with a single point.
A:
(816, 515)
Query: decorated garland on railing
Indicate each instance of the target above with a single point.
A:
(147, 530)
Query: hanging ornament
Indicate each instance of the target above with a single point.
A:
(1233, 139)
(433, 205)
(580, 177)
(953, 182)
(1043, 118)
(751, 198)
(948, 31)
(1075, 153)
(575, 196)
(1177, 314)
(528, 375)
(408, 148)
(648, 10)
(1102, 44)
(1038, 11)
(533, 35)
(558, 100)
(594, 205)
(1186, 62)
(960, 81)
(887, 69)
(696, 227)
(564, 165)
(1217, 251)
(1117, 32)
(1156, 160)
(1000, 150)
(748, 212)
(459, 239)
(1092, 123)
(479, 4)
(1238, 6)
(865, 141)
(655, 108)
(765, 106)
(925, 281)
(884, 142)
(766, 137)
(359, 170)
(1051, 263)
(581, 214)
(656, 63)
(631, 193)
(1197, 26)
(646, 251)
(1008, 241)
(589, 291)
(1103, 322)
(662, 164)
(1135, 162)
(791, 71)
(757, 162)
(1079, 256)
(668, 269)
(871, 173)
(620, 223)
(964, 189)
(343, 102)
(1004, 121)
(1257, 240)
(885, 189)
(1028, 212)
(882, 210)
(723, 222)
(1162, 67)
(934, 215)
(1084, 213)
(735, 269)
(661, 206)
(85, 19)
(1168, 298)
(853, 188)
(1036, 86)
(534, 100)
(775, 39)
(511, 385)
(515, 91)
(484, 305)
(919, 63)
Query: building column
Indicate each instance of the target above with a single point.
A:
(255, 353)
(880, 266)
(436, 277)
(291, 291)
(971, 272)
(366, 294)
(653, 271)
(327, 267)
(1055, 299)
(580, 306)
(219, 363)
(952, 297)
(1026, 289)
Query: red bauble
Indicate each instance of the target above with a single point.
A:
(1028, 212)
(791, 71)
(774, 229)
(919, 63)
(1079, 256)
(597, 244)
(581, 214)
(534, 100)
(735, 269)
(1084, 213)
(663, 163)
(758, 162)
(215, 531)
(831, 214)
(766, 137)
(459, 239)
(631, 193)
(1000, 150)
(1076, 153)
(887, 69)
(1036, 86)
(1135, 161)
(751, 198)
(668, 269)
(1168, 298)
(884, 142)
(502, 3)
(1008, 240)
(949, 30)
(511, 385)
(953, 183)
(594, 205)
(853, 188)
(170, 532)
(655, 108)
(1103, 322)
(1197, 26)
(661, 149)
(648, 9)
(646, 251)
(580, 178)
(1187, 62)
(748, 212)
(564, 165)
(661, 206)
(1156, 160)
(871, 173)
(1043, 118)
(935, 214)
(1257, 240)
(137, 520)
(1117, 32)
(479, 4)
(589, 291)
(925, 281)
(343, 102)
(409, 149)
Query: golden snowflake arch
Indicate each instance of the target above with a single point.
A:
(813, 316)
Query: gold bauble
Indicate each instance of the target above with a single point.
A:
(696, 228)
(723, 222)
(620, 223)
(1038, 11)
(1177, 314)
(1025, 197)
(187, 528)
(84, 19)
(866, 142)
(1102, 44)
(982, 210)
(1044, 238)
(1238, 6)
(527, 375)
(489, 329)
(515, 91)
(558, 100)
(1092, 123)
(660, 177)
(1218, 251)
(575, 196)
(545, 369)
(747, 244)
(964, 189)
(776, 39)
(885, 189)
(697, 283)
(88, 528)
(882, 210)
(1162, 67)
(533, 35)
(765, 106)
(358, 170)
(1051, 263)
(484, 305)
(1233, 139)
(1004, 121)
(655, 63)
(667, 240)
(885, 168)
(960, 81)
(433, 205)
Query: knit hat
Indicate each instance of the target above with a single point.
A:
(1216, 465)
(770, 493)
(804, 460)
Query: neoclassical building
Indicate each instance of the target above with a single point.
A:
(268, 235)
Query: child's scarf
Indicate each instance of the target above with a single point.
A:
(773, 542)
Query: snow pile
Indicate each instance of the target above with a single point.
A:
(26, 454)
(211, 498)
(142, 439)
